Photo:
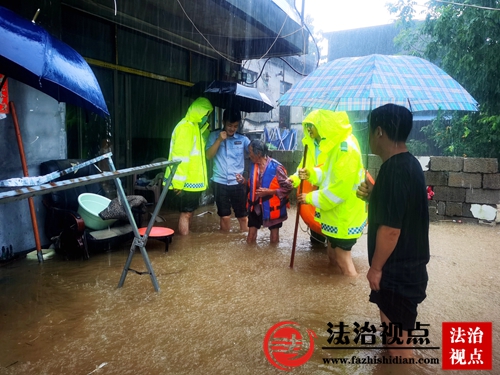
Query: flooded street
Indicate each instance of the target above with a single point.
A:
(218, 298)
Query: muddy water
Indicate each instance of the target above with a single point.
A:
(218, 298)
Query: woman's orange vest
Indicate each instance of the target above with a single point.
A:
(272, 206)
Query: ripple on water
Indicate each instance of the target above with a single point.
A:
(218, 297)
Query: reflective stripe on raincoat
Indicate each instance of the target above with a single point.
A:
(340, 212)
(188, 145)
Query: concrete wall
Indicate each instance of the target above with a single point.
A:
(464, 188)
(41, 123)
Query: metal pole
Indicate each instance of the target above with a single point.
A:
(28, 187)
(299, 191)
(25, 171)
(140, 242)
(303, 11)
(137, 240)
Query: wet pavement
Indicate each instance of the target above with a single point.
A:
(219, 297)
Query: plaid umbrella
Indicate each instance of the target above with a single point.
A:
(367, 82)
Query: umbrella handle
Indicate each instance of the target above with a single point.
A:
(369, 177)
(299, 191)
(36, 15)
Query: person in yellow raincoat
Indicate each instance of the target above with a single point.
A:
(334, 164)
(188, 145)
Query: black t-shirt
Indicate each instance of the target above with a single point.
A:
(399, 200)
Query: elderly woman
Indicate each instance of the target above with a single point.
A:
(268, 192)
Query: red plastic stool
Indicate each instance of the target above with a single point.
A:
(160, 234)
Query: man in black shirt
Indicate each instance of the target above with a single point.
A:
(398, 226)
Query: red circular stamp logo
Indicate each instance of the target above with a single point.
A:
(286, 346)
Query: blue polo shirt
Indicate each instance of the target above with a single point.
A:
(230, 157)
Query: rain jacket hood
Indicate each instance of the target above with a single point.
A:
(333, 128)
(198, 109)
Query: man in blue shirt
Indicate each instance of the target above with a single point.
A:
(228, 149)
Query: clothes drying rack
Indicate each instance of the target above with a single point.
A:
(26, 187)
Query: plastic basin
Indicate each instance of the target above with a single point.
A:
(89, 206)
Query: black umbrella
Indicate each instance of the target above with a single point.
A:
(231, 95)
(29, 54)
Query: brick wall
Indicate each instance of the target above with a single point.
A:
(464, 188)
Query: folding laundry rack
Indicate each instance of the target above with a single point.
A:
(282, 139)
(27, 187)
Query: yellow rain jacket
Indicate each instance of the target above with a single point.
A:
(339, 173)
(188, 145)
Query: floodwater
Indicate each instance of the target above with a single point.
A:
(219, 297)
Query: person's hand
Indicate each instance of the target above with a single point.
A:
(303, 174)
(374, 276)
(301, 198)
(264, 192)
(240, 179)
(222, 135)
(364, 190)
(177, 192)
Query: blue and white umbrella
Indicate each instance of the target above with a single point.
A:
(367, 82)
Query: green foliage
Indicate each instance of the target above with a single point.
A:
(472, 135)
(465, 42)
(418, 148)
(411, 41)
(316, 38)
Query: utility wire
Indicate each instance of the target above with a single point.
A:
(203, 36)
(291, 67)
(276, 39)
(260, 73)
(226, 57)
(281, 58)
(312, 36)
(467, 5)
(304, 25)
(294, 32)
